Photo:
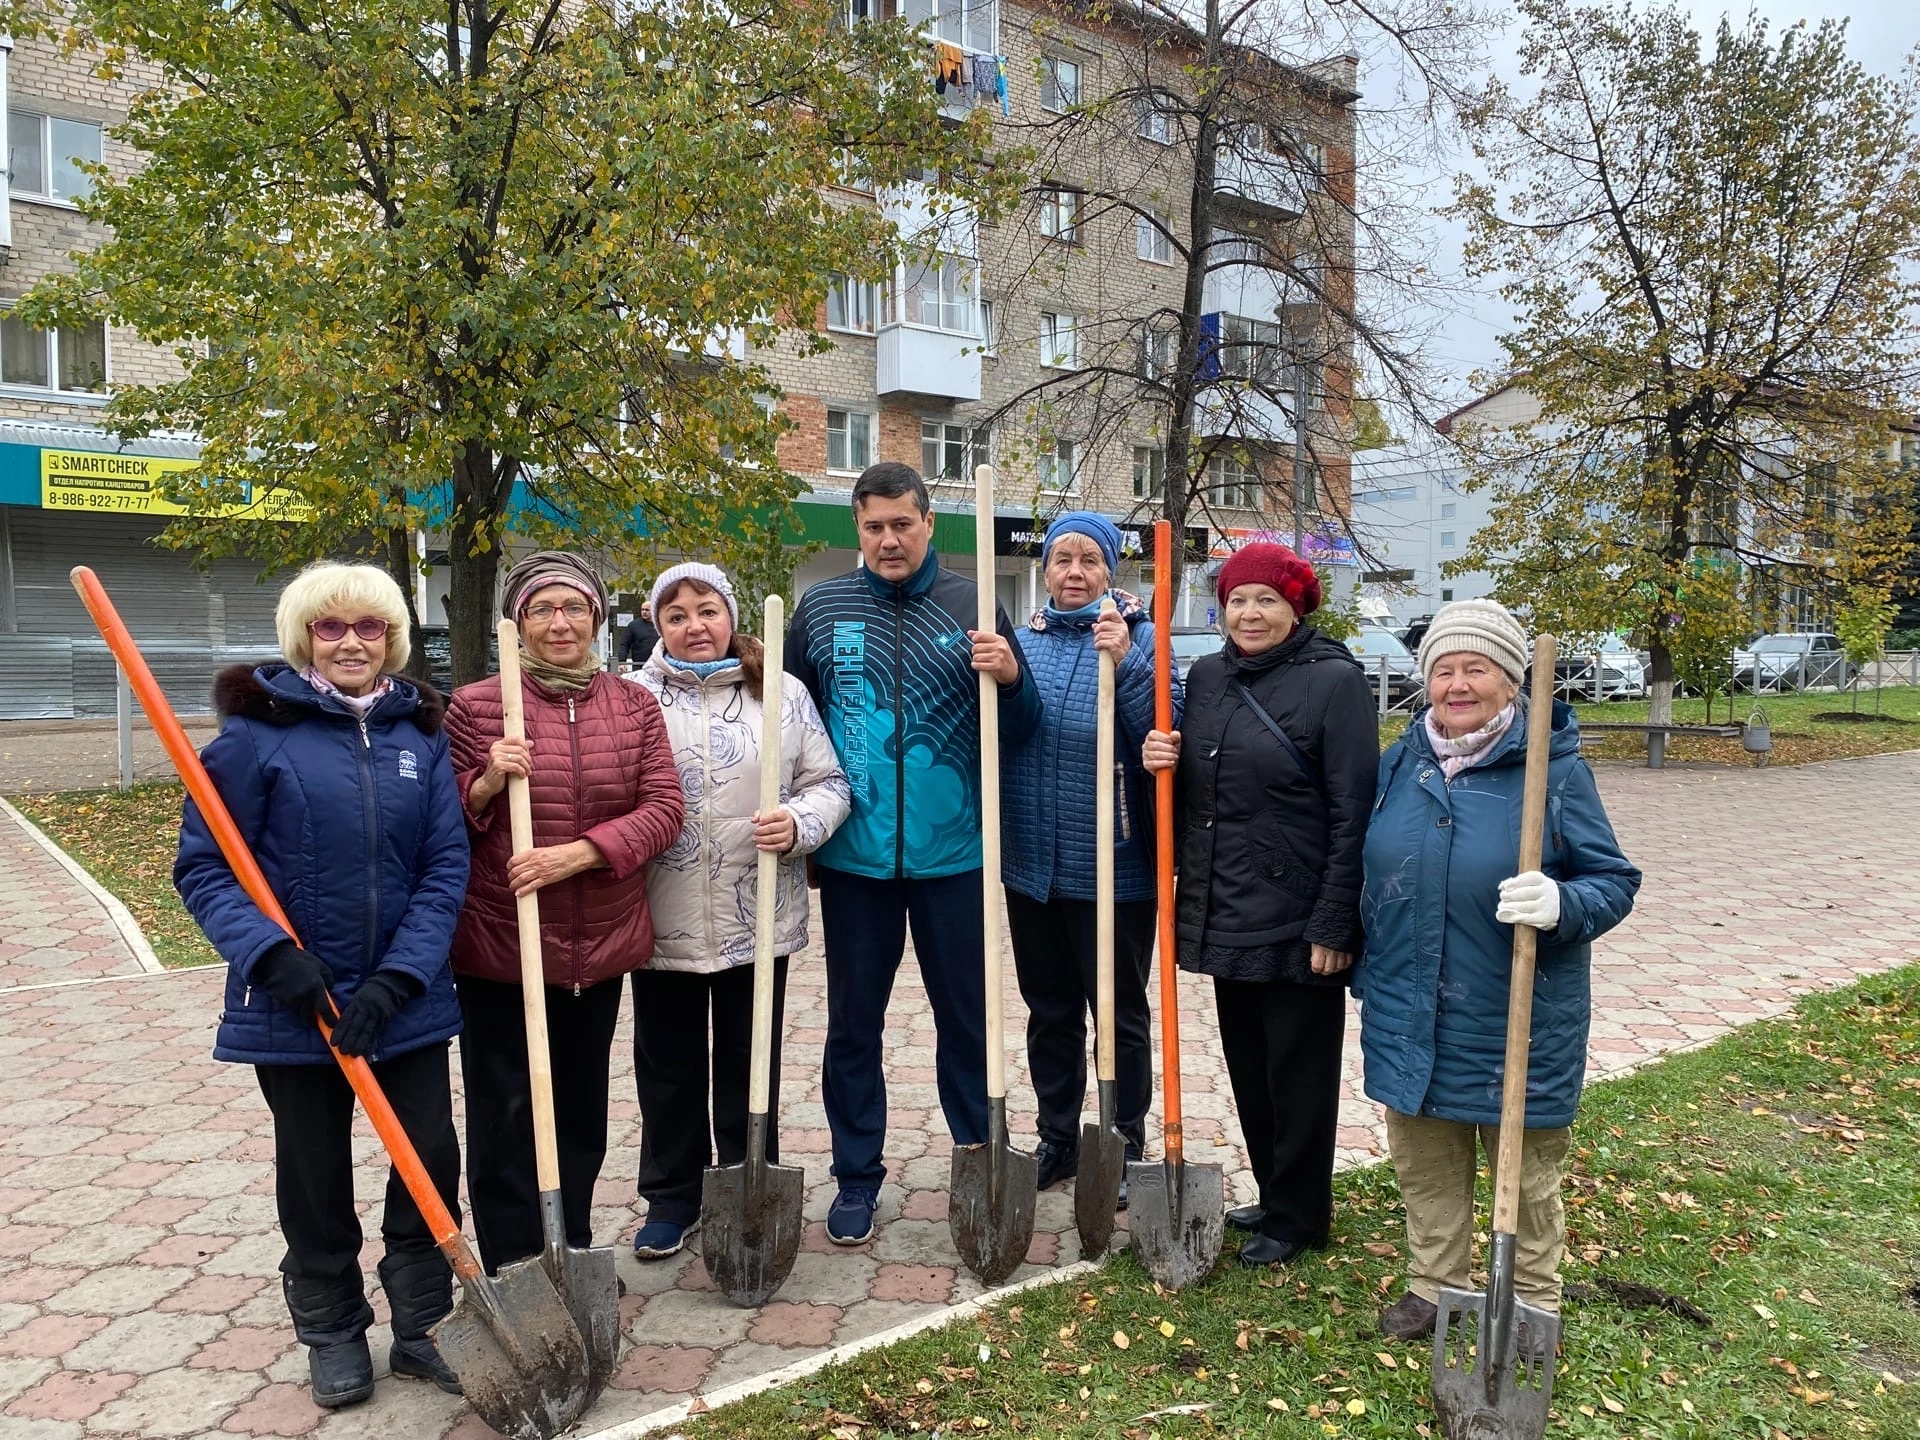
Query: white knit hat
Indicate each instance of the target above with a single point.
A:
(711, 576)
(1483, 627)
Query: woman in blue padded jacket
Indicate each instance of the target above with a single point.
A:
(335, 771)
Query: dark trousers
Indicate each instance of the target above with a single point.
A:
(501, 1181)
(678, 1139)
(1282, 1042)
(865, 922)
(312, 1109)
(1058, 964)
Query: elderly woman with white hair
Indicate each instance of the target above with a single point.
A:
(335, 769)
(1439, 903)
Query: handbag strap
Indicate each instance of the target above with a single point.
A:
(1286, 740)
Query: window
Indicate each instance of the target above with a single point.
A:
(1446, 510)
(1058, 350)
(1149, 472)
(971, 23)
(1060, 215)
(1447, 540)
(43, 151)
(987, 331)
(1156, 354)
(1059, 466)
(1233, 480)
(852, 305)
(1231, 249)
(1059, 84)
(1386, 494)
(1446, 595)
(1251, 350)
(850, 171)
(1155, 123)
(952, 452)
(849, 440)
(1153, 237)
(1909, 452)
(938, 294)
(70, 358)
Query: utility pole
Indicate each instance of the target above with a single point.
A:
(1299, 451)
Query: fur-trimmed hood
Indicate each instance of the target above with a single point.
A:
(277, 695)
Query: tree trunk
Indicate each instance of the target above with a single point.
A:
(470, 609)
(1660, 703)
(400, 565)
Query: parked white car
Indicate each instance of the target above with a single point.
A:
(1792, 662)
(1623, 675)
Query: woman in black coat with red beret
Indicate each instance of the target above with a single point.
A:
(1275, 768)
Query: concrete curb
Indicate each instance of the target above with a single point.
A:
(123, 920)
(773, 1379)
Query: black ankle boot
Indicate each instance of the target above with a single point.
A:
(330, 1317)
(419, 1286)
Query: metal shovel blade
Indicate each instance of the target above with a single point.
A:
(1096, 1187)
(1491, 1397)
(990, 1208)
(1177, 1216)
(749, 1241)
(517, 1353)
(590, 1290)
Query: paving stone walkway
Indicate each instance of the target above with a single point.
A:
(138, 1293)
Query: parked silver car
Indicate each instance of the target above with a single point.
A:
(1375, 646)
(1189, 646)
(1622, 675)
(1792, 662)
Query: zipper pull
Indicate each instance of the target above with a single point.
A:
(569, 709)
(365, 743)
(576, 989)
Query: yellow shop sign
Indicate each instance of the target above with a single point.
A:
(133, 484)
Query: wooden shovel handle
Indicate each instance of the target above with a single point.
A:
(406, 1161)
(989, 786)
(1526, 939)
(766, 889)
(1103, 1049)
(526, 912)
(1171, 1130)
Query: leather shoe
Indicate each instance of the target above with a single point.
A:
(1246, 1218)
(341, 1374)
(1410, 1318)
(1057, 1162)
(1265, 1250)
(1529, 1343)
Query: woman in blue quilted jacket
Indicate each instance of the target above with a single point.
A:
(336, 772)
(1047, 839)
(1439, 903)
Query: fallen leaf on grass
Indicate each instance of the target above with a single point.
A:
(1382, 1249)
(1356, 1406)
(1276, 1403)
(1197, 1408)
(1166, 1328)
(1387, 1360)
(1120, 1340)
(1614, 1407)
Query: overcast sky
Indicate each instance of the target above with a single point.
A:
(1880, 34)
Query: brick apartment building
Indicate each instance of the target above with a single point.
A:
(1036, 342)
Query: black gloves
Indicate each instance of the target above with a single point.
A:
(372, 1009)
(296, 980)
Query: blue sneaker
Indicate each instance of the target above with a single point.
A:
(850, 1218)
(660, 1238)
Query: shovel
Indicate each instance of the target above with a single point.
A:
(584, 1279)
(993, 1187)
(1103, 1150)
(1177, 1211)
(752, 1210)
(1484, 1388)
(510, 1341)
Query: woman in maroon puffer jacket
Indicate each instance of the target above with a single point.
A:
(606, 800)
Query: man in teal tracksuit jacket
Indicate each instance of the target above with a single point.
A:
(889, 654)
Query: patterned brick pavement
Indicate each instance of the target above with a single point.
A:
(137, 1259)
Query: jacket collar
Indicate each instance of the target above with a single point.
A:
(1285, 653)
(1510, 748)
(1132, 609)
(276, 693)
(914, 586)
(680, 679)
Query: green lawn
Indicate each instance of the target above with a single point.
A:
(1770, 1182)
(126, 840)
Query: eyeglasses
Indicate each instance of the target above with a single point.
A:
(331, 628)
(575, 610)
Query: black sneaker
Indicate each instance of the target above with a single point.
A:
(1057, 1162)
(342, 1374)
(420, 1360)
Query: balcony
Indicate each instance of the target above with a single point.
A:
(1258, 181)
(929, 220)
(1234, 409)
(917, 360)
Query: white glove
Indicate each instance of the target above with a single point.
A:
(1529, 899)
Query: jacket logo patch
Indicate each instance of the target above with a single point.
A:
(409, 765)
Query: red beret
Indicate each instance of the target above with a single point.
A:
(1264, 563)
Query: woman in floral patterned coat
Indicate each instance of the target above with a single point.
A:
(707, 678)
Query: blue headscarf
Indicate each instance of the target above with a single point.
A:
(1097, 528)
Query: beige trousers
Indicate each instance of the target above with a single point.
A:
(1435, 1163)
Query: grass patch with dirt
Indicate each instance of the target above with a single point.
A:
(126, 840)
(1771, 1182)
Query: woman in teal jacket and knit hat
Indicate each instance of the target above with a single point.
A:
(1440, 900)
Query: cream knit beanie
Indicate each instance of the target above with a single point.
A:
(1484, 627)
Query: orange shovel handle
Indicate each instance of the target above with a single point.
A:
(1171, 1132)
(247, 871)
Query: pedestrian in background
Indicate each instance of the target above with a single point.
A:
(708, 678)
(335, 770)
(1440, 904)
(1048, 860)
(1275, 773)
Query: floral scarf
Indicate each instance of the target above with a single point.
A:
(1457, 755)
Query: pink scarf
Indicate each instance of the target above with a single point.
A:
(1457, 755)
